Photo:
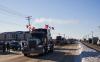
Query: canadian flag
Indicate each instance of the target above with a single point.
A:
(30, 27)
(53, 28)
(27, 26)
(33, 28)
(49, 27)
(46, 26)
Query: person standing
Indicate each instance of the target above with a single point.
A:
(8, 47)
(4, 47)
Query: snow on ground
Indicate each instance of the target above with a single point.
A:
(90, 55)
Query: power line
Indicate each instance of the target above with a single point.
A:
(12, 12)
(1, 21)
(10, 23)
(9, 11)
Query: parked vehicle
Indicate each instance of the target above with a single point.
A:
(63, 41)
(95, 40)
(73, 41)
(58, 39)
(40, 42)
(15, 46)
(67, 41)
(98, 42)
(90, 40)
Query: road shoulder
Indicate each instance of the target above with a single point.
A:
(95, 47)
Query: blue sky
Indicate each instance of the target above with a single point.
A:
(75, 18)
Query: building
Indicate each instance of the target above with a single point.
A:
(17, 36)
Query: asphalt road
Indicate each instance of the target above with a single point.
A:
(61, 54)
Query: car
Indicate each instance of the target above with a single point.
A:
(73, 41)
(15, 46)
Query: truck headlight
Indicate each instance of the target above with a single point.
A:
(40, 46)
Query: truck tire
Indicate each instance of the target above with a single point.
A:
(51, 49)
(26, 55)
(45, 50)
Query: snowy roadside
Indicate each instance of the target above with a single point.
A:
(90, 55)
(96, 47)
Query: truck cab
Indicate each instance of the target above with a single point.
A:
(40, 42)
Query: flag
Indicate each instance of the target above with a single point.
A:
(26, 26)
(46, 26)
(49, 27)
(30, 27)
(52, 28)
(33, 28)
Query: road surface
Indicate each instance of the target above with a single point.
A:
(61, 54)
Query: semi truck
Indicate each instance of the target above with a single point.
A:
(90, 40)
(61, 40)
(95, 40)
(40, 42)
(58, 39)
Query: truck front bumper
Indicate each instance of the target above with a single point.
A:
(32, 51)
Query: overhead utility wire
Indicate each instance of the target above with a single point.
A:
(13, 12)
(10, 23)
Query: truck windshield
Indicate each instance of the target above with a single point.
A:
(38, 35)
(32, 42)
(41, 30)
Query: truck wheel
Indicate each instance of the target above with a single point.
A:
(52, 49)
(45, 50)
(26, 55)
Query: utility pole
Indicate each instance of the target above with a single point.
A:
(29, 24)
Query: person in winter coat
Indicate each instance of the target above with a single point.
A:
(8, 47)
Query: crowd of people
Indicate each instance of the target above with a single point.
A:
(5, 47)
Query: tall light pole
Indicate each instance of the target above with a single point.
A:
(92, 36)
